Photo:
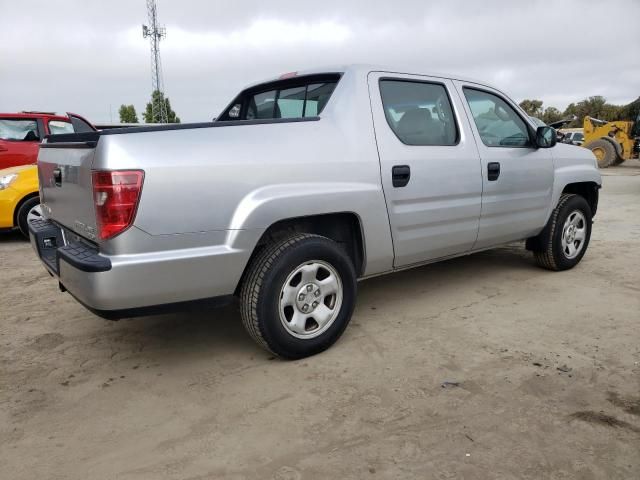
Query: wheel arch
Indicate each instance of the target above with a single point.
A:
(22, 201)
(279, 204)
(589, 190)
(344, 227)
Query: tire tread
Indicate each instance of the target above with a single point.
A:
(610, 151)
(251, 287)
(23, 212)
(545, 258)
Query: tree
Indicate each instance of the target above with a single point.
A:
(551, 114)
(157, 99)
(630, 111)
(532, 107)
(128, 114)
(596, 107)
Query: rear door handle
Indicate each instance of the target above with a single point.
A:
(400, 175)
(493, 171)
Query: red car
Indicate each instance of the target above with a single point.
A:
(21, 133)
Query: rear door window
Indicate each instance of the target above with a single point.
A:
(80, 125)
(57, 126)
(419, 113)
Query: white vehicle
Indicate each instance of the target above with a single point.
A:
(303, 185)
(573, 136)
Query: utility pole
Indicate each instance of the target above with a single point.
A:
(155, 33)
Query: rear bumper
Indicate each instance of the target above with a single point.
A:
(120, 286)
(48, 241)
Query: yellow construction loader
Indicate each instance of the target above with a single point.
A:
(612, 142)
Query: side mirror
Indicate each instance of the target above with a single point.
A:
(545, 137)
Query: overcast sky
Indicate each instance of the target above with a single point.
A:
(88, 56)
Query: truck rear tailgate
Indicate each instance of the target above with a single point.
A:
(64, 170)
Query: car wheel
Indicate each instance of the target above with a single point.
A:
(566, 236)
(299, 295)
(604, 151)
(28, 210)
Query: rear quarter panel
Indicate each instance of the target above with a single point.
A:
(242, 179)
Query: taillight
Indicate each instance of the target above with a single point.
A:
(116, 195)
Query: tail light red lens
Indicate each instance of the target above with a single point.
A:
(116, 195)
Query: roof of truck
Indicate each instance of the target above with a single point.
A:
(364, 69)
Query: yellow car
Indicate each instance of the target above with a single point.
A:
(19, 197)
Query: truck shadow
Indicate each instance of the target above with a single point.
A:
(179, 338)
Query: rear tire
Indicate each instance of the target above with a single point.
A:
(604, 151)
(298, 295)
(565, 239)
(31, 206)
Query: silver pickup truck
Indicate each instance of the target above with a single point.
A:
(303, 185)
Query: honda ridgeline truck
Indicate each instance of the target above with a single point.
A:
(303, 185)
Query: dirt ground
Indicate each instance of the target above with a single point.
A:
(543, 371)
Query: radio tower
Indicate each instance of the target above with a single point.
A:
(155, 34)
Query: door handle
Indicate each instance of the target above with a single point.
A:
(400, 175)
(493, 171)
(3, 149)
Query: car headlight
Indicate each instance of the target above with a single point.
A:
(7, 180)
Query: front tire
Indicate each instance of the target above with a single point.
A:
(298, 295)
(565, 239)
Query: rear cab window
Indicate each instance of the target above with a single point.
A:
(292, 98)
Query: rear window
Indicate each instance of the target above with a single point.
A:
(293, 98)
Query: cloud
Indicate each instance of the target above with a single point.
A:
(90, 57)
(262, 34)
